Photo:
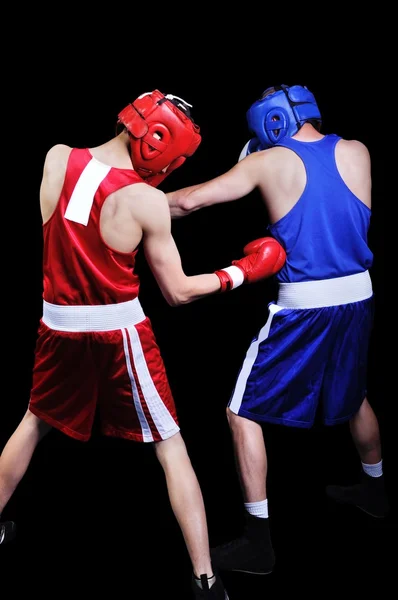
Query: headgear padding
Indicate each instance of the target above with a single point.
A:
(162, 134)
(281, 113)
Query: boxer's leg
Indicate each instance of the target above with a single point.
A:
(272, 386)
(14, 461)
(250, 456)
(136, 403)
(365, 433)
(188, 506)
(253, 552)
(370, 494)
(344, 396)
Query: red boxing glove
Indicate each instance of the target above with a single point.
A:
(263, 258)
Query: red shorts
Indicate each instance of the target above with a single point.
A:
(79, 368)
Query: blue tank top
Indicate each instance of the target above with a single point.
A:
(325, 233)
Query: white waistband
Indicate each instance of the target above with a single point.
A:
(325, 292)
(105, 317)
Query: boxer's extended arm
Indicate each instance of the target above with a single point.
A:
(263, 258)
(164, 258)
(236, 183)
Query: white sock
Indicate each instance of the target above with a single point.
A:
(211, 581)
(375, 470)
(258, 509)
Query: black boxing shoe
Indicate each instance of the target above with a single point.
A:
(251, 553)
(204, 592)
(7, 531)
(369, 495)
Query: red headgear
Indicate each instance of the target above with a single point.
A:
(162, 134)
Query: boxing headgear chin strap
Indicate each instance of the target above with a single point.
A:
(281, 113)
(162, 134)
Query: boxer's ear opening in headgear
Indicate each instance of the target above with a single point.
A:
(275, 117)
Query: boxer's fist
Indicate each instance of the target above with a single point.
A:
(263, 258)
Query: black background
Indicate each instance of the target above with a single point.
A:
(94, 518)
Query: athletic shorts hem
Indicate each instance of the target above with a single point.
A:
(135, 437)
(275, 420)
(330, 422)
(291, 423)
(57, 425)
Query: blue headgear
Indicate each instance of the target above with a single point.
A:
(279, 114)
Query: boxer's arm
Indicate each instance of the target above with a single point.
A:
(263, 258)
(164, 258)
(236, 183)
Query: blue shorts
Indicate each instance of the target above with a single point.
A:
(311, 354)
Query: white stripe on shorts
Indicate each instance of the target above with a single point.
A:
(145, 428)
(160, 414)
(249, 361)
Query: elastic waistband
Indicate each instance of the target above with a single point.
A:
(325, 292)
(105, 317)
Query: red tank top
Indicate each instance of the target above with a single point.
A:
(78, 267)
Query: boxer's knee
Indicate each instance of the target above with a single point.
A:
(168, 451)
(32, 422)
(234, 420)
(242, 427)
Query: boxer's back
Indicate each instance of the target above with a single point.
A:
(317, 194)
(90, 235)
(284, 176)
